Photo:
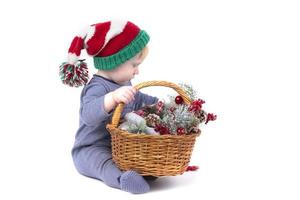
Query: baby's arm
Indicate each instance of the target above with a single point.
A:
(123, 94)
(97, 104)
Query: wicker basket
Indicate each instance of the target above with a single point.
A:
(155, 155)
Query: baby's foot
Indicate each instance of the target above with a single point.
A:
(132, 182)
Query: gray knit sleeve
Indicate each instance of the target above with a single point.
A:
(92, 105)
(144, 99)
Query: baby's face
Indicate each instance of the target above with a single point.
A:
(126, 71)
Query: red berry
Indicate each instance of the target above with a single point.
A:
(180, 131)
(178, 100)
(172, 109)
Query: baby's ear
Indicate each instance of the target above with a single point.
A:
(142, 55)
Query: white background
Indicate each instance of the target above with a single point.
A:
(242, 57)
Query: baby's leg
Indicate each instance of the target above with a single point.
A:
(96, 162)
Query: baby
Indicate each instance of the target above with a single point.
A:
(118, 48)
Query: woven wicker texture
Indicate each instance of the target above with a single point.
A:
(155, 155)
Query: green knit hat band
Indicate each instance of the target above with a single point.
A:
(128, 52)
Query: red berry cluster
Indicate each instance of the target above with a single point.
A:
(196, 105)
(192, 168)
(210, 117)
(163, 130)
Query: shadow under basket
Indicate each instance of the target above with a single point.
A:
(155, 155)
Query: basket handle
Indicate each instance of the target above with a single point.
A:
(117, 113)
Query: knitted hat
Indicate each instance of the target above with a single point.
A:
(109, 43)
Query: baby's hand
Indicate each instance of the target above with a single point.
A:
(124, 94)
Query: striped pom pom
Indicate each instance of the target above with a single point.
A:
(74, 75)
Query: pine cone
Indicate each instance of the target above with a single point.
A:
(194, 130)
(201, 116)
(152, 120)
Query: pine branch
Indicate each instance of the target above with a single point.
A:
(189, 90)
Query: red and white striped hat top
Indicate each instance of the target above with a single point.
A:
(103, 39)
